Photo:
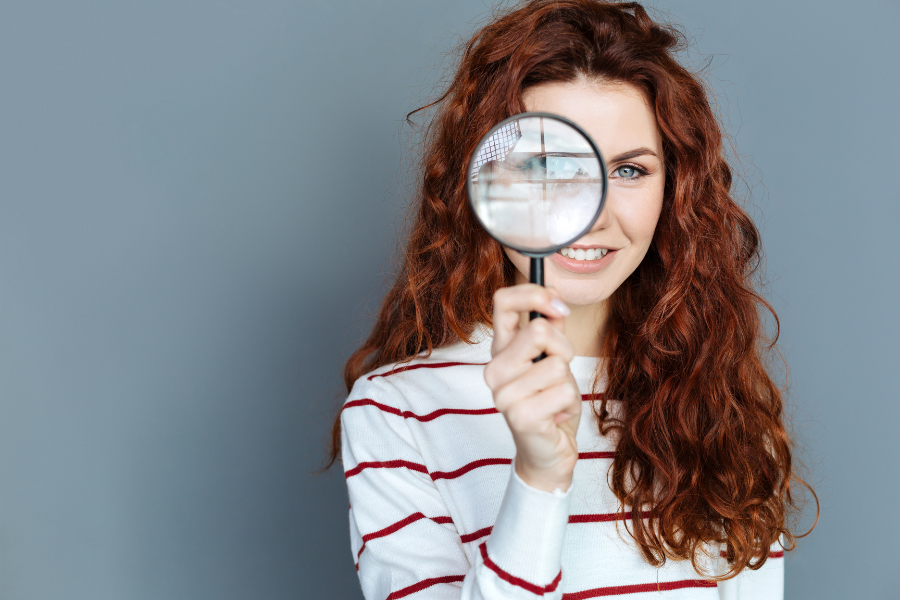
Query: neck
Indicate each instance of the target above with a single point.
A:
(586, 328)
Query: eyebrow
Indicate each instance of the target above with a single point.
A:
(633, 154)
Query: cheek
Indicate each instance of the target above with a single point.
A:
(522, 264)
(638, 219)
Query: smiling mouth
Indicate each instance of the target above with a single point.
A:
(583, 254)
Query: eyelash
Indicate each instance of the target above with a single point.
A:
(639, 172)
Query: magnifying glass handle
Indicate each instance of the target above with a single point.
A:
(536, 275)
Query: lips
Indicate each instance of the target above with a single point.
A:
(583, 265)
(584, 253)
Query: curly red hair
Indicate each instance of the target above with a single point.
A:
(701, 440)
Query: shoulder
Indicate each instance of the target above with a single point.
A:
(425, 381)
(387, 407)
(417, 399)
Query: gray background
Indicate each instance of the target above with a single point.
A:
(198, 209)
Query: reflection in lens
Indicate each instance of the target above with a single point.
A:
(537, 183)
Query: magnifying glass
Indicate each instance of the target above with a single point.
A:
(537, 182)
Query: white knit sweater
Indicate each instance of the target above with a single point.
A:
(437, 511)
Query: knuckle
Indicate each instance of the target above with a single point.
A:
(515, 419)
(501, 300)
(557, 365)
(540, 330)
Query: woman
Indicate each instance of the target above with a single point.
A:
(647, 452)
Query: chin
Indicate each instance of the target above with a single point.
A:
(581, 292)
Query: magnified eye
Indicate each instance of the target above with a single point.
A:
(565, 167)
(536, 164)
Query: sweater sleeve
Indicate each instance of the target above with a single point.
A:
(765, 583)
(403, 538)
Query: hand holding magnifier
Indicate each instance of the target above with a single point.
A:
(537, 183)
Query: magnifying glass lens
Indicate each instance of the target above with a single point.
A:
(537, 183)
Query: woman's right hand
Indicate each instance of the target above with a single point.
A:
(540, 400)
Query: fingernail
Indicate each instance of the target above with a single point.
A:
(559, 307)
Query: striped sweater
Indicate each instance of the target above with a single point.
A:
(438, 512)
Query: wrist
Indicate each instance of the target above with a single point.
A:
(541, 480)
(527, 537)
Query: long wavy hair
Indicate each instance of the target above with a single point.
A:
(701, 443)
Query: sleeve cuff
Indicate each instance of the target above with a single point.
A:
(527, 538)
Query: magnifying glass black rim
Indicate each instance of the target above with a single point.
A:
(525, 115)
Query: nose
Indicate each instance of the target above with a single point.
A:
(604, 220)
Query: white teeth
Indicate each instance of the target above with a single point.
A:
(582, 254)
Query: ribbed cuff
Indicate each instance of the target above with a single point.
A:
(527, 538)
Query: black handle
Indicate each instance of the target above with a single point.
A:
(536, 275)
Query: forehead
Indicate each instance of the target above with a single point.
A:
(616, 115)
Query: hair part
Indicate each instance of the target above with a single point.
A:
(701, 442)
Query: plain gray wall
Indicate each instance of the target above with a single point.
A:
(198, 206)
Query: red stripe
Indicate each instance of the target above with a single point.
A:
(605, 518)
(534, 589)
(422, 366)
(406, 414)
(394, 527)
(388, 464)
(450, 411)
(397, 526)
(425, 583)
(588, 455)
(471, 537)
(483, 462)
(586, 518)
(369, 402)
(393, 464)
(664, 586)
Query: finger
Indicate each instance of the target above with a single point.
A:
(518, 357)
(538, 377)
(561, 402)
(510, 302)
(536, 337)
(557, 321)
(544, 411)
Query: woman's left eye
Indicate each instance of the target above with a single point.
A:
(627, 172)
